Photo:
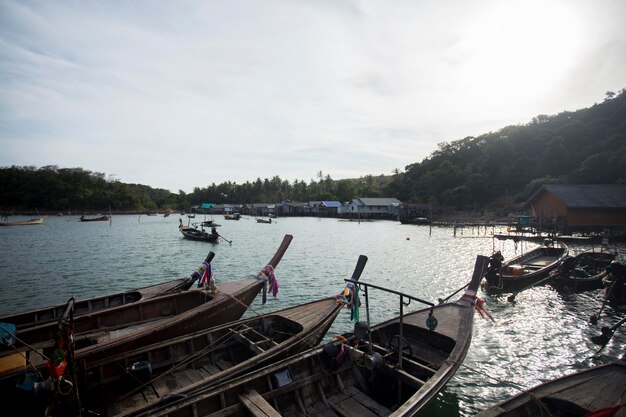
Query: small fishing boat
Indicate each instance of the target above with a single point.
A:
(209, 223)
(102, 218)
(113, 331)
(414, 220)
(193, 233)
(525, 270)
(394, 368)
(91, 305)
(264, 220)
(583, 272)
(196, 362)
(29, 222)
(232, 216)
(599, 391)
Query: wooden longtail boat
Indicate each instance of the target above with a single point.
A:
(120, 329)
(103, 218)
(30, 222)
(526, 270)
(193, 233)
(598, 391)
(91, 305)
(582, 272)
(134, 381)
(398, 374)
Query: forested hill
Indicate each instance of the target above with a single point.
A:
(583, 147)
(587, 146)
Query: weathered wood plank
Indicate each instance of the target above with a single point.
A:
(257, 405)
(352, 408)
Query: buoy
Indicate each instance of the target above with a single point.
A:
(408, 238)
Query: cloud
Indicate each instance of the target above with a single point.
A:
(179, 95)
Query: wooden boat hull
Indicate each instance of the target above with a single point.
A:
(194, 234)
(113, 331)
(416, 220)
(23, 222)
(580, 393)
(526, 270)
(204, 359)
(95, 219)
(116, 330)
(325, 381)
(37, 317)
(583, 272)
(94, 304)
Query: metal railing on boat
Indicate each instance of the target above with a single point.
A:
(405, 300)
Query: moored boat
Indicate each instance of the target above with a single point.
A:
(583, 272)
(196, 362)
(414, 220)
(102, 218)
(599, 391)
(264, 220)
(192, 233)
(232, 216)
(403, 368)
(91, 305)
(29, 222)
(525, 270)
(116, 330)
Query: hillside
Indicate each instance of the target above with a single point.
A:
(587, 146)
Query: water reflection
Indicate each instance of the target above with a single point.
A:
(544, 334)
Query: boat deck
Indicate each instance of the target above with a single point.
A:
(536, 263)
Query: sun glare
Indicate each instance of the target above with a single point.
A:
(521, 48)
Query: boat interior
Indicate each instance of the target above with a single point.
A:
(339, 379)
(135, 380)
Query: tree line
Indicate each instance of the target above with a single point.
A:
(586, 146)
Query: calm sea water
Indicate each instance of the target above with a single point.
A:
(543, 335)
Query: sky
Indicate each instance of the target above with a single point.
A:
(182, 94)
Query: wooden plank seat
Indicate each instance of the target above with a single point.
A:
(257, 405)
(354, 403)
(253, 345)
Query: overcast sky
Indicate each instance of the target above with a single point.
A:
(181, 94)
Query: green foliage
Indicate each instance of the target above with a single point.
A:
(583, 147)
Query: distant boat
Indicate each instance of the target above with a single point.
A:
(415, 220)
(209, 223)
(263, 220)
(195, 234)
(103, 218)
(233, 216)
(36, 220)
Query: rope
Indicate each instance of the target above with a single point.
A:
(441, 301)
(205, 351)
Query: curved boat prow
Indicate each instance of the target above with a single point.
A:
(480, 269)
(281, 251)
